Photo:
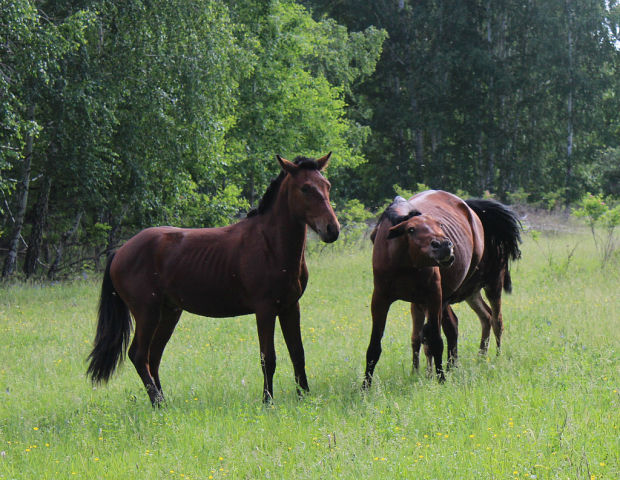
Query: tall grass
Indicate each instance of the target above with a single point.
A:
(546, 408)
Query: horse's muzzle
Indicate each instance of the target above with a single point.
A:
(443, 252)
(330, 234)
(446, 262)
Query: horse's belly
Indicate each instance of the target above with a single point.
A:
(210, 307)
(218, 312)
(212, 304)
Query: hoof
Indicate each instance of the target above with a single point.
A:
(366, 384)
(302, 392)
(156, 397)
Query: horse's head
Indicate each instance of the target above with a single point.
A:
(308, 196)
(427, 243)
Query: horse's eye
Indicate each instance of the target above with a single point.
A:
(411, 230)
(306, 188)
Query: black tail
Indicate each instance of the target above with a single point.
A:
(502, 234)
(113, 330)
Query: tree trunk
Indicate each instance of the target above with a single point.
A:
(51, 274)
(419, 134)
(569, 108)
(38, 226)
(419, 146)
(23, 187)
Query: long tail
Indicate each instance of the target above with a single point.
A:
(502, 234)
(113, 330)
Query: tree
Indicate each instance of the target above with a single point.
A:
(120, 115)
(294, 101)
(34, 47)
(483, 95)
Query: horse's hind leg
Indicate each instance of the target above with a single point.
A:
(290, 325)
(418, 315)
(494, 295)
(169, 318)
(147, 319)
(483, 311)
(450, 325)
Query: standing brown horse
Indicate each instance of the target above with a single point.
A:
(435, 250)
(254, 266)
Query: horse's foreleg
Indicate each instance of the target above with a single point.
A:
(290, 325)
(450, 325)
(168, 320)
(433, 348)
(418, 315)
(483, 311)
(431, 333)
(379, 309)
(266, 322)
(146, 319)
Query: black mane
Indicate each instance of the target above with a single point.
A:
(272, 190)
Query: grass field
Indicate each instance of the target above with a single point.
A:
(547, 408)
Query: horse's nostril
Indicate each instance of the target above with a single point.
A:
(332, 233)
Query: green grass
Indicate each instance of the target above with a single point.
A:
(546, 408)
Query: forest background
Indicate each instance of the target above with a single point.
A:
(116, 115)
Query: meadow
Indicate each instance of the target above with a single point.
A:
(546, 408)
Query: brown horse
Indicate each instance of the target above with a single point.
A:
(435, 250)
(254, 266)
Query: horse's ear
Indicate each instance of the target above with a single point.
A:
(287, 166)
(323, 161)
(397, 230)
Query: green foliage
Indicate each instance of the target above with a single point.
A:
(552, 200)
(213, 210)
(591, 208)
(182, 64)
(353, 212)
(353, 217)
(611, 218)
(518, 197)
(606, 171)
(144, 113)
(597, 212)
(288, 105)
(33, 51)
(407, 194)
(98, 232)
(462, 193)
(490, 96)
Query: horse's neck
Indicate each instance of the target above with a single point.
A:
(285, 234)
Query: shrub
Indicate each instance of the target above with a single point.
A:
(597, 212)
